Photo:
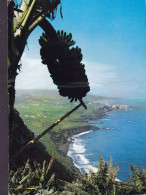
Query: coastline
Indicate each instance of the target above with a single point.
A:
(86, 128)
(64, 148)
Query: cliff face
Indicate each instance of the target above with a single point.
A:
(19, 136)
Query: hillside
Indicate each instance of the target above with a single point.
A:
(42, 169)
(36, 111)
(41, 108)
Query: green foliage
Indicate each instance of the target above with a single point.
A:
(105, 180)
(39, 112)
(45, 6)
(101, 176)
(51, 107)
(32, 174)
(87, 185)
(35, 111)
(138, 178)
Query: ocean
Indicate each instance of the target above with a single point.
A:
(121, 136)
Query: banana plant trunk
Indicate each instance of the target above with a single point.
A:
(17, 37)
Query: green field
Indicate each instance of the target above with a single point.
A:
(39, 109)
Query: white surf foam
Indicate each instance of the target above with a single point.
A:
(69, 153)
(81, 134)
(110, 128)
(77, 148)
(77, 145)
(82, 159)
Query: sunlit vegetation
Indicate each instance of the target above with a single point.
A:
(33, 177)
(39, 112)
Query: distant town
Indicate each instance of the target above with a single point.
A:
(108, 107)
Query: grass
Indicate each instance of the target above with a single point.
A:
(39, 112)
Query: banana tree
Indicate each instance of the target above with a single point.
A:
(63, 60)
(23, 18)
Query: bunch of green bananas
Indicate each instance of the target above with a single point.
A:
(64, 65)
(64, 38)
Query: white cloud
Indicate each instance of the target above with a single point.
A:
(99, 73)
(104, 79)
(34, 75)
(101, 78)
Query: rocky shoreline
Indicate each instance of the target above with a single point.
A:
(64, 148)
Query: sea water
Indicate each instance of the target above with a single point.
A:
(122, 136)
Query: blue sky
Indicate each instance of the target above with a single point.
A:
(112, 36)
